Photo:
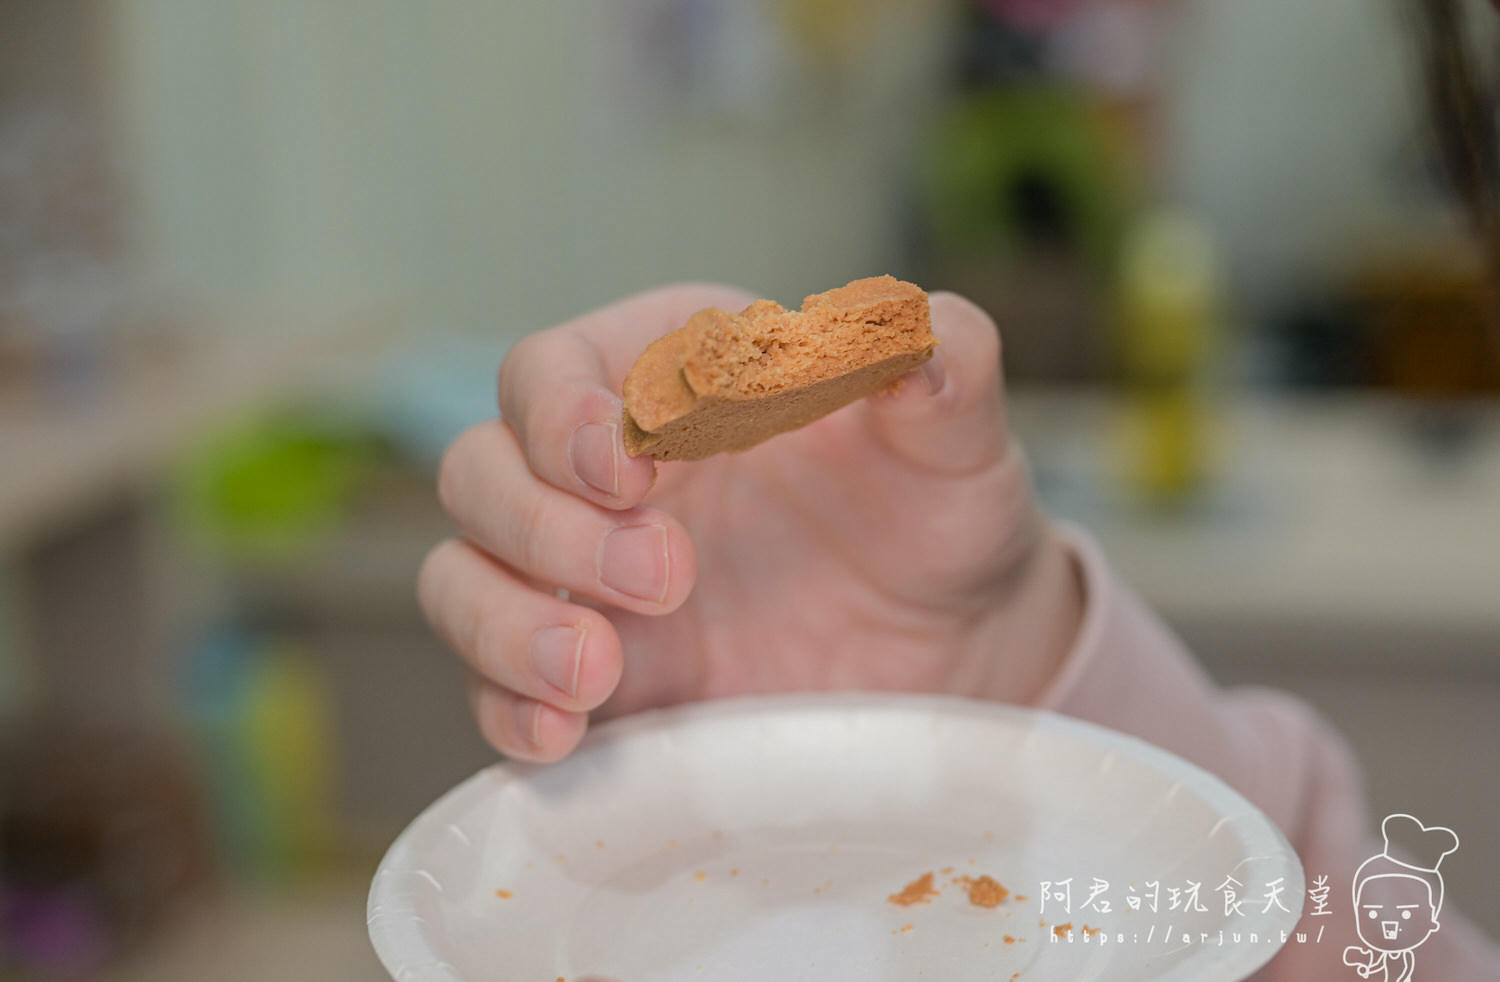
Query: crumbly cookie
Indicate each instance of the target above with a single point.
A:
(730, 381)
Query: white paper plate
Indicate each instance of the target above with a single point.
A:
(758, 839)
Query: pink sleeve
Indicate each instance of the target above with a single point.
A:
(1129, 672)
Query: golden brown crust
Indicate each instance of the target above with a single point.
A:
(726, 382)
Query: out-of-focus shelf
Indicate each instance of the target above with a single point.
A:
(1327, 512)
(59, 462)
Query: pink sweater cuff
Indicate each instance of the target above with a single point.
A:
(1129, 672)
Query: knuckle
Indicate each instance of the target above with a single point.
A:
(513, 370)
(985, 333)
(451, 469)
(689, 296)
(706, 291)
(529, 522)
(519, 351)
(429, 575)
(990, 343)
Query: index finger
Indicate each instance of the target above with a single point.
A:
(559, 390)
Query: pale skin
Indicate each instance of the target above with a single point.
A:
(894, 544)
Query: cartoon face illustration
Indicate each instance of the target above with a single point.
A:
(1395, 911)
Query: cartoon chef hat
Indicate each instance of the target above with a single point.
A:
(1426, 849)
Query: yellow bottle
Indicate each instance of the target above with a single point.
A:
(1168, 313)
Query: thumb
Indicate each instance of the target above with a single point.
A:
(948, 416)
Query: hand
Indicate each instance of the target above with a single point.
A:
(894, 544)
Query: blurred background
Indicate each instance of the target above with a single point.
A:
(260, 260)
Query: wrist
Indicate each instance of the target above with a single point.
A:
(1022, 642)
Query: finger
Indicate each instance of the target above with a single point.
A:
(558, 391)
(640, 559)
(521, 727)
(555, 397)
(521, 639)
(621, 331)
(948, 416)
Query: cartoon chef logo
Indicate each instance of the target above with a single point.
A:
(1396, 901)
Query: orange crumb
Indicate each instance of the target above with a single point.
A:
(598, 843)
(671, 843)
(1090, 931)
(1009, 940)
(734, 872)
(561, 979)
(765, 883)
(984, 891)
(1021, 898)
(902, 929)
(1041, 923)
(918, 891)
(1062, 929)
(700, 876)
(989, 837)
(504, 894)
(1015, 976)
(946, 870)
(891, 388)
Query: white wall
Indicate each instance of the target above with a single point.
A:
(482, 162)
(1296, 128)
(485, 163)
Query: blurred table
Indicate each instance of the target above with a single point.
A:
(66, 457)
(1325, 509)
(313, 932)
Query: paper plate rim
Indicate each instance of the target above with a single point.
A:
(400, 941)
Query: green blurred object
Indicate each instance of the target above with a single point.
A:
(1025, 193)
(269, 489)
(1013, 166)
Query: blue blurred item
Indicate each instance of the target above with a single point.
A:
(260, 712)
(432, 391)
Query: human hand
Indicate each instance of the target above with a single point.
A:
(894, 544)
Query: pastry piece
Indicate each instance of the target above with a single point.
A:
(729, 381)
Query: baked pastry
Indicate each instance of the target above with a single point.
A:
(730, 381)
